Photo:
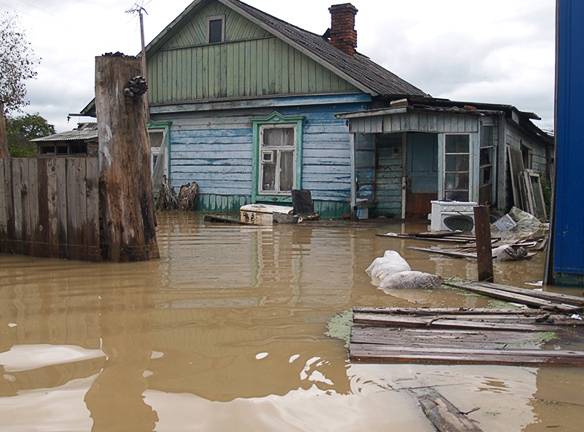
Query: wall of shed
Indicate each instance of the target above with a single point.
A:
(249, 63)
(215, 150)
(515, 138)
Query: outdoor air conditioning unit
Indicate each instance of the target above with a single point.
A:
(452, 216)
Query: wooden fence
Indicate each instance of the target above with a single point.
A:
(49, 207)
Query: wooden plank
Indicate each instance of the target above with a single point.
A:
(52, 210)
(444, 252)
(30, 203)
(17, 194)
(41, 236)
(432, 338)
(429, 239)
(546, 295)
(527, 300)
(442, 323)
(91, 225)
(389, 354)
(3, 207)
(448, 311)
(442, 413)
(75, 207)
(9, 206)
(61, 206)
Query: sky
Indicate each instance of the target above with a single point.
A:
(500, 51)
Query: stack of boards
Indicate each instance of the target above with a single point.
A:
(463, 336)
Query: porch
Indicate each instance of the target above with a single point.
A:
(406, 157)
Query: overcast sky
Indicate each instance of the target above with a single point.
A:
(499, 51)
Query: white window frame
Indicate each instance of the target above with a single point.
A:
(263, 149)
(473, 164)
(208, 33)
(155, 151)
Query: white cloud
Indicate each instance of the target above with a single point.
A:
(497, 51)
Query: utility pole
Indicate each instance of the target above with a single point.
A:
(139, 9)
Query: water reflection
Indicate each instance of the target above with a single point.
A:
(226, 332)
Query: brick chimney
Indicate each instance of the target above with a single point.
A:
(343, 34)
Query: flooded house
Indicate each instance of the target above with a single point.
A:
(250, 107)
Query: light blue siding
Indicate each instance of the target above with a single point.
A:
(215, 149)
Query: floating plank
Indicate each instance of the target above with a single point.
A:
(469, 339)
(448, 311)
(430, 239)
(527, 300)
(368, 353)
(441, 412)
(445, 252)
(546, 295)
(223, 220)
(525, 316)
(442, 323)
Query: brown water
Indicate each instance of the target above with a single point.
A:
(226, 332)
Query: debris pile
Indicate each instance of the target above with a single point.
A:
(168, 200)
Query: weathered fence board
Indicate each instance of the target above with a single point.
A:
(50, 207)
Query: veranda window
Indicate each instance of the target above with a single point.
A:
(457, 168)
(277, 159)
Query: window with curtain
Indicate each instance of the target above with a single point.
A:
(277, 159)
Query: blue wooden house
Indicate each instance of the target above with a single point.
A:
(247, 105)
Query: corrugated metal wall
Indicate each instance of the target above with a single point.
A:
(568, 222)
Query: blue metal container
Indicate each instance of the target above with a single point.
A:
(568, 219)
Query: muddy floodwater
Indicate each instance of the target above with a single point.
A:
(226, 332)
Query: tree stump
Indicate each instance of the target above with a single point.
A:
(4, 153)
(128, 231)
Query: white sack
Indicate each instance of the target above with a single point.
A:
(389, 264)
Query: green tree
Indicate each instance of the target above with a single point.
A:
(17, 65)
(22, 129)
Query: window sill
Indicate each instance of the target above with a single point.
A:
(280, 199)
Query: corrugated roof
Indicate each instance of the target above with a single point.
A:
(85, 132)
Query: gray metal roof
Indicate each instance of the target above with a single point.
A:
(85, 132)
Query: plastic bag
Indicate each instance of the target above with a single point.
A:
(389, 264)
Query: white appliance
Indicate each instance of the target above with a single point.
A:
(445, 209)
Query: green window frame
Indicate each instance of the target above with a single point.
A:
(260, 125)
